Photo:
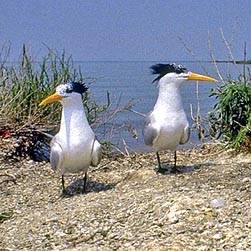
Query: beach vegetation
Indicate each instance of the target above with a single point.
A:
(24, 84)
(230, 119)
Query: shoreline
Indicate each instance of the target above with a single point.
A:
(128, 206)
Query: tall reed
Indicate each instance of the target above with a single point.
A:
(25, 84)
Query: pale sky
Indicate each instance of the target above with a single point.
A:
(132, 30)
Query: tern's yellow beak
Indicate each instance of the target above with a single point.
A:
(52, 98)
(195, 76)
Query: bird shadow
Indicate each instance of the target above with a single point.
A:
(167, 169)
(77, 187)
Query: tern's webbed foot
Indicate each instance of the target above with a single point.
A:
(84, 190)
(161, 170)
(65, 193)
(175, 170)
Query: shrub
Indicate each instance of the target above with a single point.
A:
(24, 85)
(231, 116)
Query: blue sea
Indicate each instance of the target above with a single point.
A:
(131, 83)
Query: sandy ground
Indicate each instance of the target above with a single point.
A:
(128, 206)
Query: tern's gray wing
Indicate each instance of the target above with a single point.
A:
(149, 132)
(186, 135)
(96, 153)
(56, 155)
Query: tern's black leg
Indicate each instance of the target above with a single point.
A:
(175, 159)
(175, 169)
(64, 191)
(85, 183)
(158, 159)
(160, 169)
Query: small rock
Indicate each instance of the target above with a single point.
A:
(172, 218)
(246, 179)
(217, 236)
(218, 203)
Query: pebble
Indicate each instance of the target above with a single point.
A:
(246, 179)
(217, 236)
(218, 203)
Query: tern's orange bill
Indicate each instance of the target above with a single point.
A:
(52, 98)
(195, 76)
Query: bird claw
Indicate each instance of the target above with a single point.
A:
(65, 193)
(175, 170)
(161, 170)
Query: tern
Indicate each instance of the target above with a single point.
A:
(166, 126)
(75, 147)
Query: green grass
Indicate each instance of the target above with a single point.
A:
(5, 216)
(25, 84)
(231, 116)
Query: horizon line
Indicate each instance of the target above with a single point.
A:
(141, 61)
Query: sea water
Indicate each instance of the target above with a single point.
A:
(131, 83)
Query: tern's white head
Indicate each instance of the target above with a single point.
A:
(176, 74)
(68, 93)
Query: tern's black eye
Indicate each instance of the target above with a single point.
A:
(68, 90)
(64, 89)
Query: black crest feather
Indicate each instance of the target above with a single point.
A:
(76, 87)
(163, 69)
